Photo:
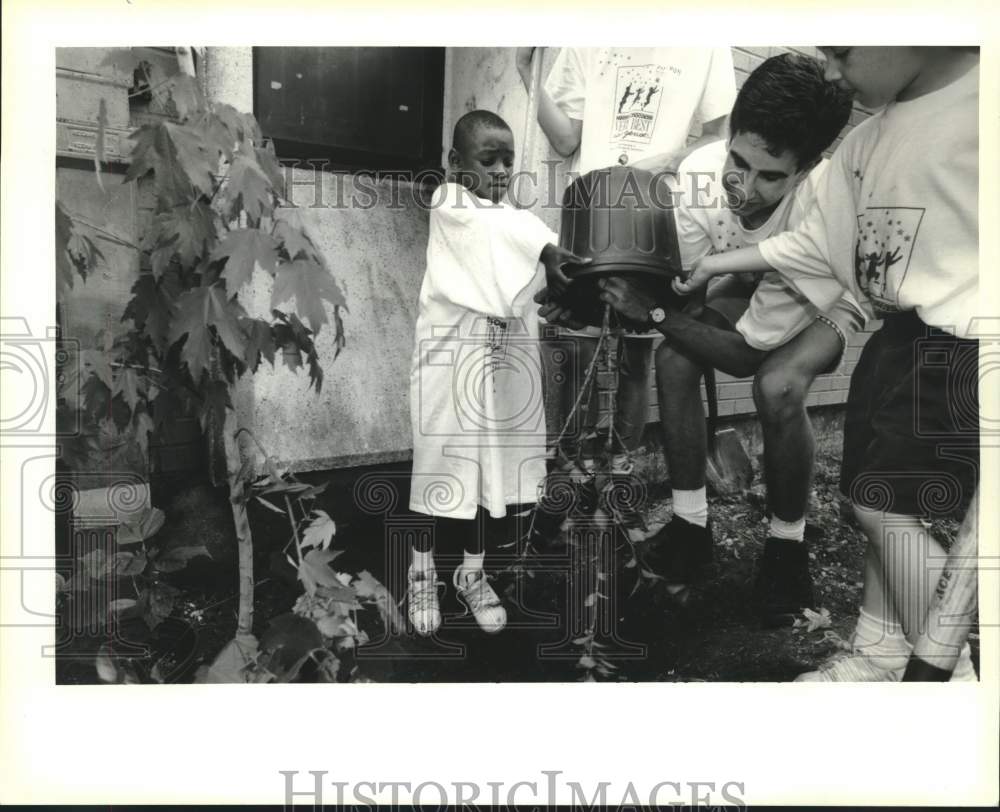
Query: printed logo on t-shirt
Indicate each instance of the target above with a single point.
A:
(638, 90)
(882, 253)
(496, 340)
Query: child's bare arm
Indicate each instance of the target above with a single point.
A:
(742, 260)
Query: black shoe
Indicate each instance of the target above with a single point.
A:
(783, 586)
(679, 550)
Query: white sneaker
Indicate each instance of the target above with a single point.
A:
(476, 592)
(860, 666)
(964, 670)
(422, 601)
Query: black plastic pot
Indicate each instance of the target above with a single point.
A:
(622, 218)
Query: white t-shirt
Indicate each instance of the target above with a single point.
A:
(896, 218)
(636, 102)
(475, 377)
(706, 225)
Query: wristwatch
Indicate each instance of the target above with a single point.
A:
(657, 315)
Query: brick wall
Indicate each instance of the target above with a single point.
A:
(735, 396)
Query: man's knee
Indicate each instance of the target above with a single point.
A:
(780, 392)
(674, 367)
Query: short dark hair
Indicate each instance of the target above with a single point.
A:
(469, 124)
(788, 103)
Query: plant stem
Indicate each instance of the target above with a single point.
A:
(295, 531)
(244, 544)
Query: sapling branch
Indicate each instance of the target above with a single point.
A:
(295, 531)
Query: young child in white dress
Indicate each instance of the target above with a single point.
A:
(475, 381)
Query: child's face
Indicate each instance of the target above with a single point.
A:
(876, 75)
(485, 164)
(753, 178)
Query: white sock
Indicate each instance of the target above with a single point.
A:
(879, 635)
(423, 561)
(692, 506)
(472, 562)
(790, 531)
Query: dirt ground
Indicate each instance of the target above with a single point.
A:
(646, 636)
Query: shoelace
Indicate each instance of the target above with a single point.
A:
(422, 591)
(478, 594)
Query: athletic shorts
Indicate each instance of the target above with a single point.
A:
(911, 432)
(772, 314)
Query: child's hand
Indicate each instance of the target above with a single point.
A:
(555, 313)
(695, 280)
(553, 257)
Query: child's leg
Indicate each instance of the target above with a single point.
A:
(911, 565)
(422, 553)
(911, 399)
(473, 546)
(422, 587)
(470, 581)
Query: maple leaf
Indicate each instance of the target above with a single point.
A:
(64, 268)
(127, 564)
(252, 128)
(243, 250)
(293, 239)
(320, 531)
(814, 620)
(314, 572)
(151, 308)
(176, 558)
(97, 362)
(218, 138)
(130, 385)
(74, 250)
(95, 398)
(260, 342)
(294, 337)
(247, 187)
(232, 119)
(268, 162)
(185, 95)
(310, 284)
(197, 310)
(178, 159)
(368, 587)
(184, 230)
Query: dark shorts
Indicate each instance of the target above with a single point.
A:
(911, 433)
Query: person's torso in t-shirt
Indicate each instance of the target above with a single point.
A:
(638, 102)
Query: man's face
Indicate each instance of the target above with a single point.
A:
(484, 164)
(753, 178)
(875, 75)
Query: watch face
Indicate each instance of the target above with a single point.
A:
(657, 315)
